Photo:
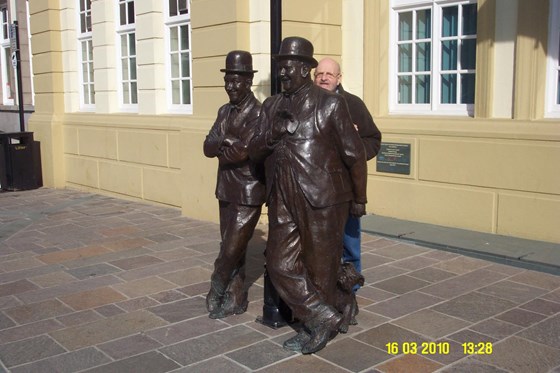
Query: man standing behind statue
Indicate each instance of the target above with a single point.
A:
(240, 186)
(315, 175)
(328, 76)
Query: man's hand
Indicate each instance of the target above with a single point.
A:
(357, 209)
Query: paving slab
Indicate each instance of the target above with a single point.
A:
(92, 283)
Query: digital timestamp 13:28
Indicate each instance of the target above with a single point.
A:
(437, 348)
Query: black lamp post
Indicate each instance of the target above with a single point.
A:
(276, 313)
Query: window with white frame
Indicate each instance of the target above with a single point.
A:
(8, 88)
(126, 31)
(553, 73)
(433, 56)
(178, 31)
(85, 47)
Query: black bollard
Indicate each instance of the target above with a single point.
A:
(276, 312)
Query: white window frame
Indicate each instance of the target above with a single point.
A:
(172, 22)
(85, 37)
(434, 107)
(127, 30)
(5, 59)
(553, 62)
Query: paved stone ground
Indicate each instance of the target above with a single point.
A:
(98, 284)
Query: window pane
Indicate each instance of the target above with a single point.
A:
(185, 65)
(124, 66)
(183, 9)
(126, 93)
(175, 65)
(448, 89)
(469, 19)
(91, 94)
(184, 37)
(122, 12)
(423, 51)
(467, 88)
(405, 89)
(175, 92)
(124, 47)
(405, 26)
(449, 21)
(132, 43)
(88, 21)
(558, 90)
(424, 24)
(186, 84)
(172, 8)
(133, 93)
(133, 68)
(131, 12)
(468, 54)
(90, 49)
(85, 72)
(173, 39)
(91, 71)
(405, 58)
(423, 89)
(83, 22)
(449, 55)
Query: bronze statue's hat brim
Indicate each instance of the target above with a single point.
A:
(239, 62)
(296, 48)
(239, 71)
(310, 60)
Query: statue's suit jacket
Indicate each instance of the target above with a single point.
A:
(324, 151)
(240, 180)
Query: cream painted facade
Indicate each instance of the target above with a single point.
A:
(10, 11)
(495, 171)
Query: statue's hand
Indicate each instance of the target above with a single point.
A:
(235, 153)
(278, 128)
(229, 140)
(357, 209)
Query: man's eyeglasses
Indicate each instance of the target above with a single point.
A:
(326, 75)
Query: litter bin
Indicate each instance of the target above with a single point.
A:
(20, 161)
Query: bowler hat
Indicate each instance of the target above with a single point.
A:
(240, 62)
(295, 47)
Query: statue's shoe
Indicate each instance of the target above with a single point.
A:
(230, 306)
(213, 300)
(297, 342)
(322, 333)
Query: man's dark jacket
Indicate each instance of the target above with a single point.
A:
(370, 134)
(240, 180)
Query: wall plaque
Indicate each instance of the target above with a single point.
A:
(394, 158)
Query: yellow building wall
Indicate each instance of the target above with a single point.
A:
(491, 173)
(494, 172)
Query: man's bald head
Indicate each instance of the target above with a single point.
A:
(327, 74)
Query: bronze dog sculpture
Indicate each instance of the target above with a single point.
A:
(346, 303)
